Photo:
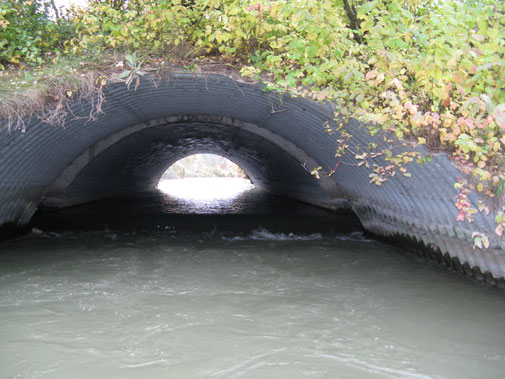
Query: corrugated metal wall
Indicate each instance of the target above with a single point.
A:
(271, 136)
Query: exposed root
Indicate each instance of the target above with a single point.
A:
(90, 91)
(14, 120)
(55, 114)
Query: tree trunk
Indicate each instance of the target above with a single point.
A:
(354, 22)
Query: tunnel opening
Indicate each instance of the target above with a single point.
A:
(115, 183)
(204, 184)
(220, 178)
(203, 179)
(203, 166)
(135, 158)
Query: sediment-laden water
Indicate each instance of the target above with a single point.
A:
(159, 302)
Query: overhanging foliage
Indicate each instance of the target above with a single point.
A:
(429, 73)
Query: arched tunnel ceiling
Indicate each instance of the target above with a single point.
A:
(272, 137)
(135, 160)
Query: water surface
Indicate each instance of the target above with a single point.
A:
(160, 303)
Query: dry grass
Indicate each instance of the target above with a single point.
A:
(50, 101)
(47, 94)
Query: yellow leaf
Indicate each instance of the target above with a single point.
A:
(485, 241)
(395, 82)
(371, 74)
(69, 93)
(499, 230)
(480, 187)
(421, 140)
(103, 82)
(379, 79)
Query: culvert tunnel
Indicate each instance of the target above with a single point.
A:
(277, 140)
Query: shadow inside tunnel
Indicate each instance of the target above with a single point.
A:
(241, 212)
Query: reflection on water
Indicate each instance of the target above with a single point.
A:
(271, 288)
(224, 205)
(205, 189)
(204, 195)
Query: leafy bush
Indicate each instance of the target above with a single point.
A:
(144, 26)
(28, 32)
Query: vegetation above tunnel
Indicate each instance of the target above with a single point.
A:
(430, 73)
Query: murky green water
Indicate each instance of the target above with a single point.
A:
(159, 304)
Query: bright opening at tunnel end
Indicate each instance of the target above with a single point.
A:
(205, 188)
(204, 177)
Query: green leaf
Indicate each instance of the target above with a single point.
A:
(367, 7)
(124, 74)
(131, 59)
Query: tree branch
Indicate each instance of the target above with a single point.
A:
(354, 22)
(55, 8)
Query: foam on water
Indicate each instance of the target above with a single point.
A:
(263, 234)
(266, 235)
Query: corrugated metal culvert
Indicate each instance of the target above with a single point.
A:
(276, 139)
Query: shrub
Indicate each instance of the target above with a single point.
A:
(29, 31)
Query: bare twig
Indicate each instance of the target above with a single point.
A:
(19, 123)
